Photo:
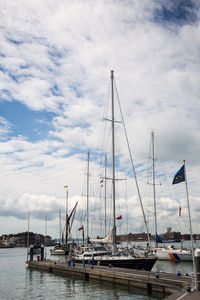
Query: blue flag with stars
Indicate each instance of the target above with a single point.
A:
(179, 176)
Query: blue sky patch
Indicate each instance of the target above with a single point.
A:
(33, 125)
(55, 90)
(177, 12)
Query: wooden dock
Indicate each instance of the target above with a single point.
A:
(166, 284)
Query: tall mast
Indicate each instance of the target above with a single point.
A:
(154, 188)
(105, 189)
(88, 165)
(66, 225)
(60, 235)
(113, 161)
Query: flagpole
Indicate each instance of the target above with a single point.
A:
(191, 236)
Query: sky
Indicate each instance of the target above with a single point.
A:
(55, 64)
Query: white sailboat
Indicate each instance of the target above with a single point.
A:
(115, 260)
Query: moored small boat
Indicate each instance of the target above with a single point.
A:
(172, 254)
(60, 250)
(57, 251)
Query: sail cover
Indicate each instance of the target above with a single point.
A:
(106, 240)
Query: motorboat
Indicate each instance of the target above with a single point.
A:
(173, 254)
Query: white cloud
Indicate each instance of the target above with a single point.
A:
(5, 127)
(57, 58)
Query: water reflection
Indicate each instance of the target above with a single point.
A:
(70, 286)
(41, 278)
(173, 267)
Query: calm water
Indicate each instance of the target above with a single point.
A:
(18, 282)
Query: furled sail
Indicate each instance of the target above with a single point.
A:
(106, 240)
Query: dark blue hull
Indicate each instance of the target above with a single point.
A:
(135, 263)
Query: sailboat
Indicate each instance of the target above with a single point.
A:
(105, 258)
(165, 253)
(64, 249)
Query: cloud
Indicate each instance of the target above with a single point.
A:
(5, 128)
(55, 60)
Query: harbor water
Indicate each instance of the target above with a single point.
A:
(18, 282)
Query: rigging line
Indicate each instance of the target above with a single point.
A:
(126, 197)
(97, 205)
(106, 106)
(129, 149)
(146, 193)
(148, 166)
(100, 216)
(147, 188)
(118, 205)
(110, 208)
(171, 194)
(103, 126)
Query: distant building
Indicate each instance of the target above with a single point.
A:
(172, 235)
(185, 237)
(21, 239)
(132, 237)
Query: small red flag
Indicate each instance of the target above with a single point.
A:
(119, 218)
(81, 228)
(179, 211)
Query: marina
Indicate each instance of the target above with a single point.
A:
(35, 282)
(175, 285)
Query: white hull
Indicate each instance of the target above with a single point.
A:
(58, 252)
(174, 254)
